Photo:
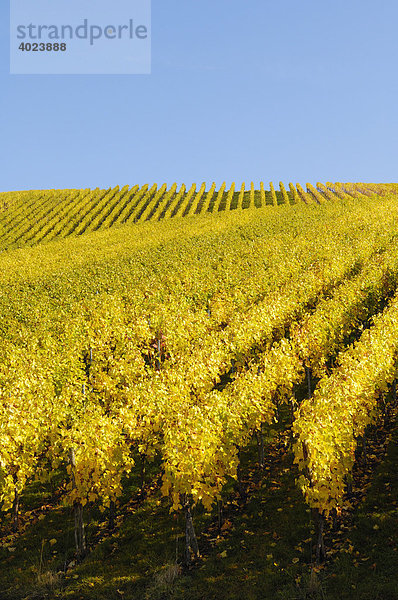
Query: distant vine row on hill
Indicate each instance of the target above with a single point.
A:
(29, 218)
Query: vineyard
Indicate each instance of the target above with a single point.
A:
(33, 217)
(198, 386)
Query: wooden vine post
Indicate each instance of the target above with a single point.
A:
(191, 542)
(80, 538)
(319, 521)
(241, 487)
(260, 446)
(15, 507)
(308, 370)
(220, 514)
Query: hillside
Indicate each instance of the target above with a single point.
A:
(33, 217)
(198, 393)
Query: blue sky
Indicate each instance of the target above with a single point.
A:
(239, 91)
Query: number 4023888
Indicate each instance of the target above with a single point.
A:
(41, 47)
